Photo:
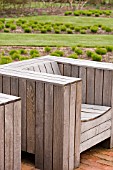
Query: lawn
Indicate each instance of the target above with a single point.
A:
(55, 39)
(78, 21)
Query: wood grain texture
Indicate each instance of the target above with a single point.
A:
(48, 68)
(17, 135)
(2, 140)
(78, 123)
(58, 128)
(90, 85)
(6, 84)
(107, 90)
(48, 128)
(22, 94)
(61, 68)
(75, 71)
(9, 137)
(14, 86)
(31, 116)
(98, 86)
(82, 75)
(1, 85)
(67, 70)
(72, 126)
(39, 147)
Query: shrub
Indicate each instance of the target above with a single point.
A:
(77, 29)
(7, 25)
(73, 48)
(94, 29)
(47, 49)
(67, 25)
(27, 30)
(78, 51)
(2, 20)
(6, 30)
(13, 52)
(97, 14)
(68, 13)
(109, 48)
(15, 56)
(48, 29)
(89, 13)
(13, 27)
(69, 31)
(57, 53)
(63, 28)
(96, 57)
(34, 55)
(108, 29)
(82, 31)
(74, 55)
(43, 30)
(5, 60)
(24, 58)
(1, 26)
(76, 13)
(57, 31)
(34, 51)
(101, 51)
(89, 53)
(22, 51)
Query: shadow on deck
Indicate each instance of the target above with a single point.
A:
(96, 158)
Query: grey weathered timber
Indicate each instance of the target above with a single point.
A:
(54, 125)
(10, 139)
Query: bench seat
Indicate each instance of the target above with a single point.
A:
(95, 125)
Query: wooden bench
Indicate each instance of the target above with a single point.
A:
(10, 135)
(93, 120)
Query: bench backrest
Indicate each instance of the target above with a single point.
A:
(50, 67)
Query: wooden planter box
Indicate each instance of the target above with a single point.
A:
(10, 132)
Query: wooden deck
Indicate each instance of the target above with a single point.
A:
(96, 158)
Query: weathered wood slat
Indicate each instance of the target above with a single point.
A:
(49, 68)
(67, 70)
(95, 131)
(72, 125)
(95, 107)
(48, 127)
(78, 123)
(14, 86)
(2, 141)
(39, 147)
(61, 68)
(6, 84)
(9, 137)
(31, 116)
(55, 68)
(17, 135)
(90, 86)
(96, 139)
(42, 68)
(82, 75)
(22, 94)
(107, 88)
(1, 86)
(90, 124)
(75, 71)
(58, 128)
(98, 86)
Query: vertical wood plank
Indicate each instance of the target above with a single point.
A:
(39, 147)
(111, 138)
(90, 86)
(72, 126)
(6, 84)
(67, 70)
(14, 86)
(61, 68)
(48, 129)
(31, 116)
(1, 83)
(75, 71)
(66, 127)
(107, 88)
(48, 68)
(58, 128)
(78, 123)
(55, 68)
(22, 94)
(82, 75)
(9, 136)
(98, 86)
(2, 140)
(17, 135)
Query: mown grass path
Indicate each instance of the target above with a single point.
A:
(55, 39)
